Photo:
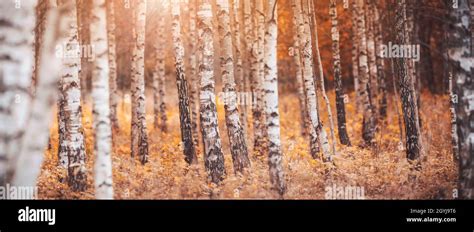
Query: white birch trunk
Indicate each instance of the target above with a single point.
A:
(297, 58)
(71, 106)
(114, 97)
(28, 166)
(238, 30)
(139, 137)
(370, 29)
(461, 57)
(309, 84)
(382, 79)
(16, 62)
(257, 76)
(101, 110)
(159, 74)
(235, 132)
(324, 142)
(213, 156)
(355, 56)
(193, 63)
(368, 127)
(270, 88)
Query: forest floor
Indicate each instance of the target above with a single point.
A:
(382, 171)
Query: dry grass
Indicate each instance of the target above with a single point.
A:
(383, 170)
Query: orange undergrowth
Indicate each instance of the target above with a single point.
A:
(382, 170)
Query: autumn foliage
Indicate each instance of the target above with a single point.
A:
(383, 170)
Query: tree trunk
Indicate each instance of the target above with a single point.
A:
(16, 62)
(372, 58)
(28, 166)
(114, 98)
(84, 18)
(239, 70)
(311, 17)
(297, 58)
(355, 56)
(410, 38)
(257, 79)
(139, 135)
(461, 57)
(193, 63)
(406, 87)
(235, 132)
(213, 156)
(184, 110)
(309, 84)
(100, 98)
(159, 75)
(336, 56)
(71, 106)
(270, 87)
(41, 14)
(454, 130)
(62, 143)
(368, 127)
(247, 39)
(381, 78)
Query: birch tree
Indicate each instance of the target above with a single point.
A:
(257, 70)
(308, 9)
(270, 87)
(247, 42)
(368, 124)
(372, 58)
(297, 58)
(235, 132)
(380, 62)
(159, 75)
(237, 37)
(461, 59)
(27, 167)
(16, 62)
(71, 101)
(139, 137)
(213, 156)
(184, 110)
(114, 97)
(306, 49)
(100, 98)
(406, 87)
(336, 56)
(454, 130)
(84, 18)
(193, 63)
(355, 54)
